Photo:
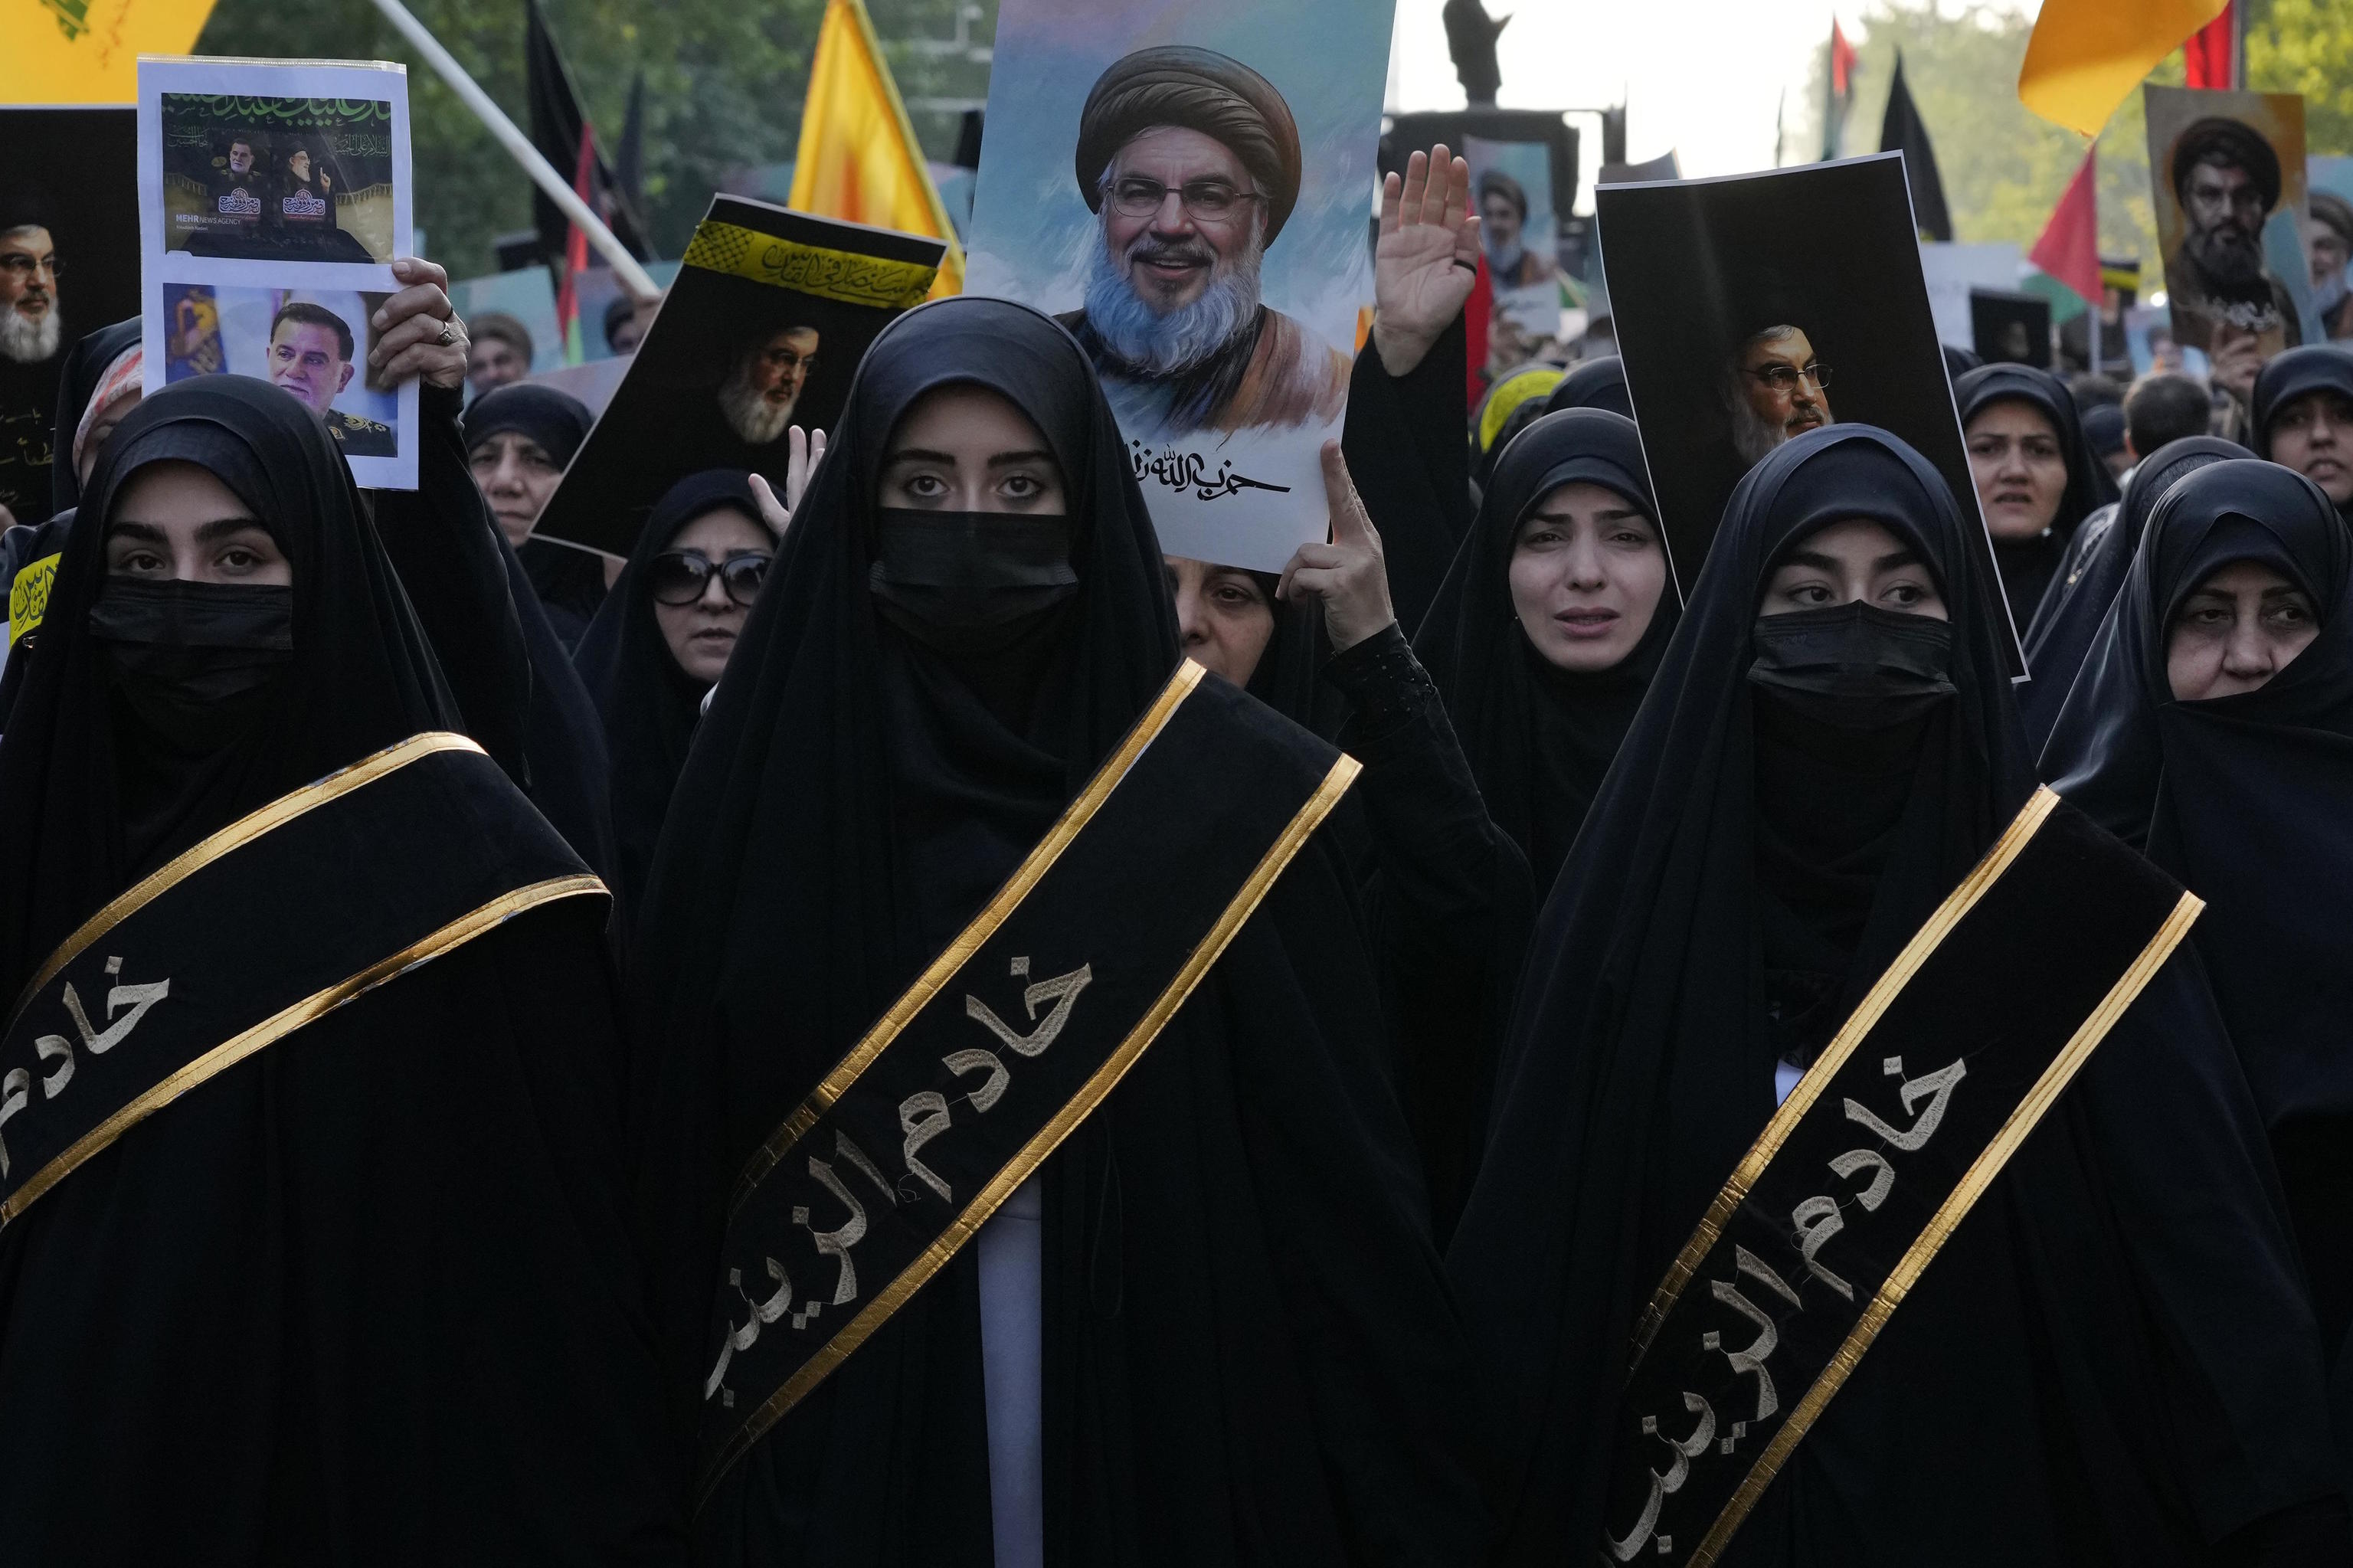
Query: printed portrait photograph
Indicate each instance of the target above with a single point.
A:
(310, 344)
(1737, 337)
(1512, 184)
(762, 329)
(2011, 327)
(277, 179)
(2328, 243)
(2227, 178)
(1187, 189)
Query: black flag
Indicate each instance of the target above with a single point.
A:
(629, 158)
(560, 132)
(1903, 131)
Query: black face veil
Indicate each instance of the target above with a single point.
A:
(852, 797)
(1639, 1068)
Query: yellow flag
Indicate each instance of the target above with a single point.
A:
(859, 159)
(87, 51)
(2086, 55)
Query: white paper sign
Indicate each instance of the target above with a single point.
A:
(1952, 271)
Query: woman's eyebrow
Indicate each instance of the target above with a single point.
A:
(920, 454)
(220, 528)
(1009, 460)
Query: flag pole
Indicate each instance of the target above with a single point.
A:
(633, 276)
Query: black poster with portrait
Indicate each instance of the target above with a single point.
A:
(1753, 308)
(763, 330)
(2011, 327)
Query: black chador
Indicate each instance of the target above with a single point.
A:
(2028, 567)
(1843, 1206)
(950, 931)
(312, 1237)
(2249, 799)
(647, 703)
(2077, 604)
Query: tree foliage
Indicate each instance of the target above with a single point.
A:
(2307, 46)
(723, 87)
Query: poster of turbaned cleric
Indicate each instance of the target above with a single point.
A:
(69, 265)
(762, 329)
(1186, 185)
(2228, 175)
(1512, 182)
(1738, 333)
(273, 198)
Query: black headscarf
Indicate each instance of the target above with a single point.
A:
(570, 583)
(2248, 798)
(647, 703)
(2091, 1298)
(2030, 566)
(1598, 383)
(1538, 738)
(87, 364)
(381, 1259)
(362, 676)
(2298, 372)
(850, 800)
(2097, 560)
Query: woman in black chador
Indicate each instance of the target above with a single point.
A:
(364, 1294)
(2110, 1359)
(2036, 475)
(2214, 722)
(657, 645)
(2076, 605)
(1209, 1327)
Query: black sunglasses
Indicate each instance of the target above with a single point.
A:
(680, 577)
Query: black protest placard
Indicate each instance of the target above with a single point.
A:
(763, 330)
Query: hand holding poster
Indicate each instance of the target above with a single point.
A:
(2229, 178)
(273, 200)
(1187, 189)
(763, 330)
(1736, 337)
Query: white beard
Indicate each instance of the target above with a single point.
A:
(749, 413)
(28, 341)
(1157, 343)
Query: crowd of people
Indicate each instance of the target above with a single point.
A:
(416, 1255)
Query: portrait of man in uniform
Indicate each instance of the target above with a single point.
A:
(1775, 388)
(2227, 180)
(312, 358)
(1190, 161)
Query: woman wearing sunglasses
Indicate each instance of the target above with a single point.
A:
(662, 639)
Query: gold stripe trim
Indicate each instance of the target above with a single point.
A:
(312, 1007)
(841, 275)
(956, 954)
(855, 1332)
(1947, 1218)
(235, 836)
(1875, 1004)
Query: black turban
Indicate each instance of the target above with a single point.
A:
(24, 204)
(1196, 90)
(2231, 141)
(1494, 182)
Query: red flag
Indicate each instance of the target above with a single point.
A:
(1478, 312)
(2069, 250)
(1841, 62)
(2208, 53)
(575, 254)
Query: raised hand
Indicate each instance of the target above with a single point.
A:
(802, 450)
(1427, 259)
(418, 332)
(1348, 577)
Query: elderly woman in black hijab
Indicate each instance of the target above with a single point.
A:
(658, 645)
(2036, 476)
(519, 441)
(322, 1173)
(1828, 749)
(2303, 416)
(2077, 604)
(2214, 723)
(1202, 1323)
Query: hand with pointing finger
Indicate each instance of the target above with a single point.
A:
(1348, 577)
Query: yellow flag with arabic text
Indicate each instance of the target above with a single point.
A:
(2086, 55)
(859, 159)
(87, 51)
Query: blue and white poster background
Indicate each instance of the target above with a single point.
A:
(1032, 236)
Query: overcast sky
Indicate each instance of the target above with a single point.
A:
(1702, 76)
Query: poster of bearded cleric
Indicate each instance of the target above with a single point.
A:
(272, 199)
(762, 329)
(1737, 335)
(1186, 185)
(69, 205)
(2228, 177)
